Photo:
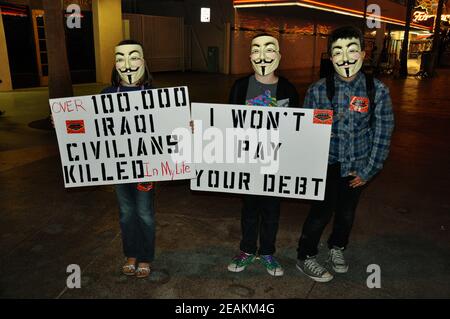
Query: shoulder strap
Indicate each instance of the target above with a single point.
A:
(370, 88)
(330, 86)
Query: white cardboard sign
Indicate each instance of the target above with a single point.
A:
(273, 151)
(121, 137)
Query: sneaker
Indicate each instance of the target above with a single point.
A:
(311, 268)
(337, 260)
(272, 265)
(241, 261)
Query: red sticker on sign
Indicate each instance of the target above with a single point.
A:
(359, 104)
(323, 117)
(75, 127)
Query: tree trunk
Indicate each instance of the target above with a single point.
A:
(436, 39)
(59, 81)
(404, 53)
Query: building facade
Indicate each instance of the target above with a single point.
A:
(175, 38)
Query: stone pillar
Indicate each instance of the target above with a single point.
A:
(379, 40)
(5, 74)
(107, 21)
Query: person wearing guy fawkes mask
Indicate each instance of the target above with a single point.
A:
(260, 214)
(363, 122)
(136, 207)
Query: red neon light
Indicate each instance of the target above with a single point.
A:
(322, 4)
(13, 11)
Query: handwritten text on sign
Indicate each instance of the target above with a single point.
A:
(269, 151)
(121, 137)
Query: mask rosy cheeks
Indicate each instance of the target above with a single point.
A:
(120, 62)
(135, 61)
(354, 56)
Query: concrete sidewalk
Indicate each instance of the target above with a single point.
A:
(402, 223)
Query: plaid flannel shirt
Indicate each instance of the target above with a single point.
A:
(357, 144)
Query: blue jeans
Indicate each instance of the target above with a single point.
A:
(137, 222)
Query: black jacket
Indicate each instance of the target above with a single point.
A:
(285, 90)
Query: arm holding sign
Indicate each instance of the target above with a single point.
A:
(238, 91)
(287, 90)
(310, 100)
(295, 98)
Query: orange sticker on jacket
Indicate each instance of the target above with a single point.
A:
(359, 104)
(323, 117)
(75, 126)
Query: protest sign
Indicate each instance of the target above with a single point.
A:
(122, 137)
(273, 151)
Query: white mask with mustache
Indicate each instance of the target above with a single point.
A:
(265, 54)
(347, 56)
(130, 63)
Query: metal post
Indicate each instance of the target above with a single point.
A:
(436, 39)
(404, 53)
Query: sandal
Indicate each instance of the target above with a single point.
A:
(129, 269)
(142, 272)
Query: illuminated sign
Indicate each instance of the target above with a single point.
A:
(205, 14)
(421, 16)
(425, 13)
(426, 5)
